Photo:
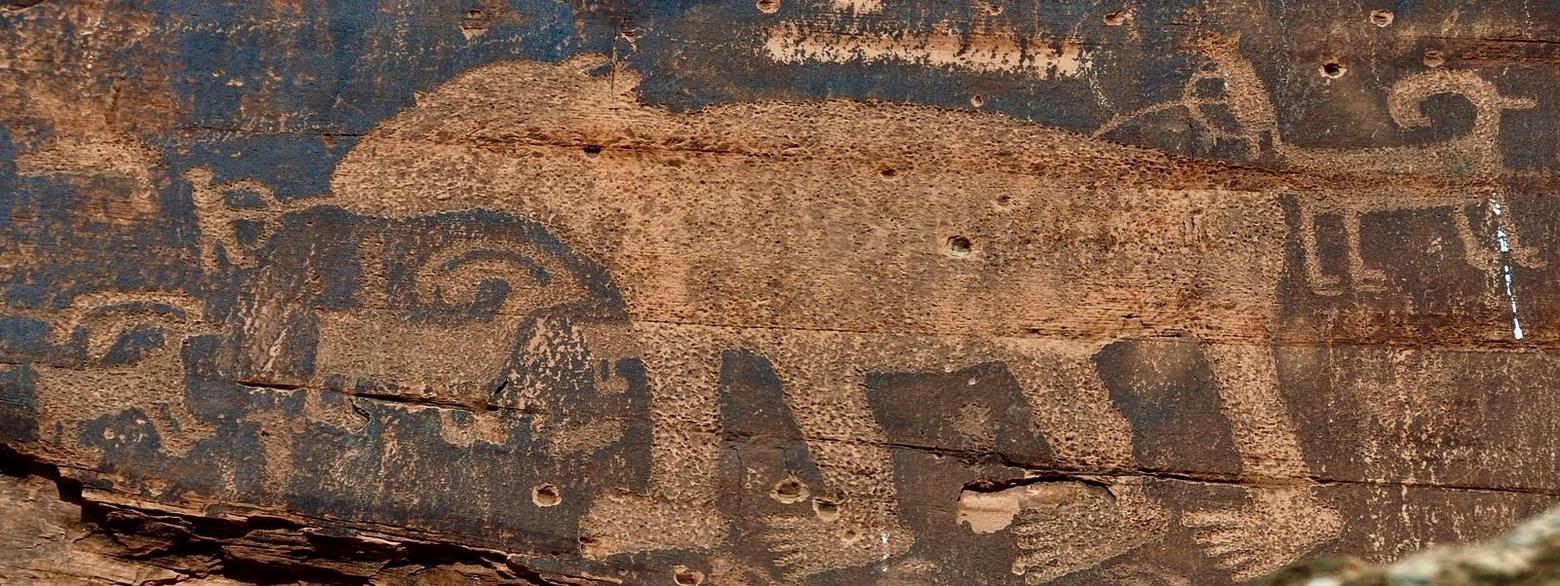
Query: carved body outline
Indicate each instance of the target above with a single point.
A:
(95, 324)
(1257, 413)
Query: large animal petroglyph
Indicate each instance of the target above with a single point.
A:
(978, 246)
(769, 292)
(981, 258)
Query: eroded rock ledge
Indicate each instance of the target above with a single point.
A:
(55, 531)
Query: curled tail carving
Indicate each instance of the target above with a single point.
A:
(1409, 93)
(1249, 102)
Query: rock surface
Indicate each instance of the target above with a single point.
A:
(773, 292)
(1528, 554)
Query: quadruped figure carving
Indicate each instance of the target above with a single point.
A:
(458, 151)
(129, 345)
(220, 219)
(1474, 155)
(481, 232)
(659, 210)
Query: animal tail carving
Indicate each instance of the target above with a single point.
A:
(1242, 91)
(1409, 93)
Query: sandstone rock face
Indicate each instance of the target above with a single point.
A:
(1525, 555)
(834, 292)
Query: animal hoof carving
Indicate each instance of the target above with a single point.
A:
(807, 545)
(1072, 526)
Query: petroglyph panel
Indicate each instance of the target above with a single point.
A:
(835, 292)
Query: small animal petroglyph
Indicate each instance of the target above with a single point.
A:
(129, 344)
(219, 219)
(1474, 154)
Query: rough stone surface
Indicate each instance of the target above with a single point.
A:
(1528, 554)
(773, 292)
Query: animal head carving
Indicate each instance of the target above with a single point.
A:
(101, 322)
(513, 278)
(219, 217)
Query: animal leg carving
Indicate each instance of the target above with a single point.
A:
(1365, 278)
(1321, 283)
(683, 365)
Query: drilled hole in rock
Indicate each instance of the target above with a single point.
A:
(889, 172)
(1381, 18)
(1004, 201)
(685, 576)
(1434, 59)
(592, 150)
(977, 101)
(1333, 70)
(768, 6)
(545, 495)
(789, 491)
(826, 509)
(850, 536)
(1118, 18)
(959, 246)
